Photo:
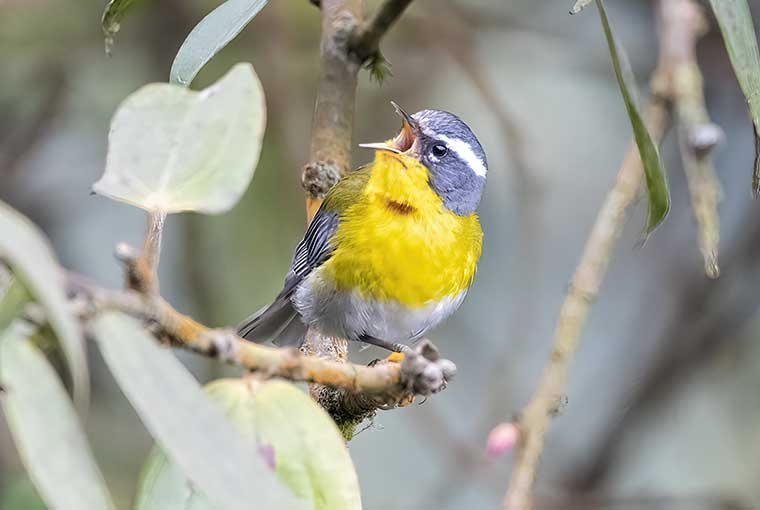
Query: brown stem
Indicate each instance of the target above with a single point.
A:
(675, 41)
(142, 268)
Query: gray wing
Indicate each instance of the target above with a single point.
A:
(280, 320)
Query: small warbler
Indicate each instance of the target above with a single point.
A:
(392, 249)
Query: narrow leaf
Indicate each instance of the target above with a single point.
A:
(190, 428)
(176, 150)
(111, 20)
(30, 257)
(209, 36)
(46, 429)
(300, 440)
(738, 31)
(654, 174)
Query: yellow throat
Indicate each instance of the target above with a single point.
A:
(397, 242)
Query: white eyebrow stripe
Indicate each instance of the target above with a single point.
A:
(465, 152)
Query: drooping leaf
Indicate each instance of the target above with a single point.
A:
(654, 173)
(46, 429)
(738, 31)
(189, 427)
(302, 443)
(209, 36)
(176, 150)
(111, 20)
(26, 250)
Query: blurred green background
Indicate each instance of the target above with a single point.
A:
(664, 395)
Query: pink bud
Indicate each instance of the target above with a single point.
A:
(502, 439)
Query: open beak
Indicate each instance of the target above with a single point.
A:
(404, 140)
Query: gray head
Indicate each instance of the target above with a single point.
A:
(453, 156)
(449, 150)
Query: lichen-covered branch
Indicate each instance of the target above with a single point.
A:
(678, 34)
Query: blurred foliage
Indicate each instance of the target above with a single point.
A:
(691, 431)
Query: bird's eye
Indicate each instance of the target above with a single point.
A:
(439, 151)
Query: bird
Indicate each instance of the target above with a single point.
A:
(394, 246)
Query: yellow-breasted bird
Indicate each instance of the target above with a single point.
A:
(393, 248)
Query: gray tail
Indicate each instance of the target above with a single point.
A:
(278, 322)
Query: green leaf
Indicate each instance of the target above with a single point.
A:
(46, 429)
(654, 173)
(301, 440)
(310, 453)
(175, 150)
(735, 21)
(111, 20)
(26, 250)
(190, 428)
(209, 36)
(12, 300)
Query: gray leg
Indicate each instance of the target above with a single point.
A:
(390, 346)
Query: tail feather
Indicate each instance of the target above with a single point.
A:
(293, 334)
(267, 324)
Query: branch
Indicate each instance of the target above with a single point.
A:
(366, 41)
(386, 384)
(678, 35)
(330, 154)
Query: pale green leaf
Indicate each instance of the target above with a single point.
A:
(175, 150)
(46, 429)
(300, 439)
(209, 36)
(189, 427)
(26, 250)
(310, 453)
(738, 31)
(111, 20)
(654, 173)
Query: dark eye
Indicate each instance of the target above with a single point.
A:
(439, 151)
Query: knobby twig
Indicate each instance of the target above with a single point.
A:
(592, 267)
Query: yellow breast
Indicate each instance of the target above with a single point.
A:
(399, 243)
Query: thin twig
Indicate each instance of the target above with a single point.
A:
(366, 41)
(591, 270)
(697, 134)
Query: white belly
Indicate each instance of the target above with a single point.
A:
(349, 315)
